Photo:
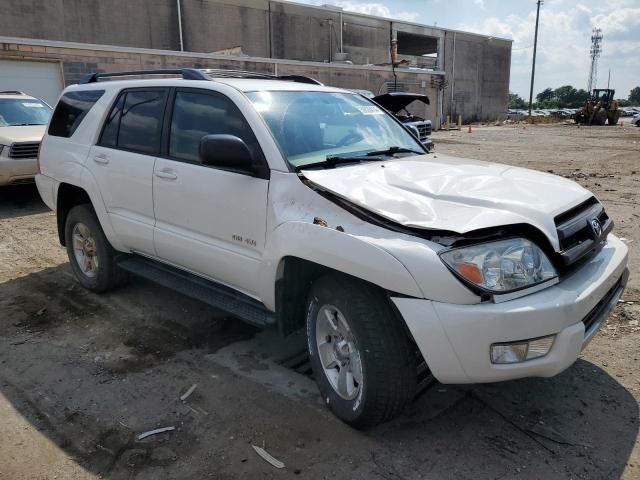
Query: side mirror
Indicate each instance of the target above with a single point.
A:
(226, 151)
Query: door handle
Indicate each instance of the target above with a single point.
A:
(166, 174)
(102, 158)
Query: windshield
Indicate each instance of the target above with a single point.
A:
(23, 111)
(311, 126)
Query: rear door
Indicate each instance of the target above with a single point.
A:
(122, 163)
(209, 220)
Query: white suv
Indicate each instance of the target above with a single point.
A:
(23, 120)
(292, 204)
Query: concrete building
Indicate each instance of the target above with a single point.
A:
(463, 73)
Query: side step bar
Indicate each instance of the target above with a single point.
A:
(207, 291)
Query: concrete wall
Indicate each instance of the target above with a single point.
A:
(210, 26)
(477, 70)
(79, 59)
(134, 23)
(270, 29)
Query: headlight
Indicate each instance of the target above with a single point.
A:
(2, 147)
(502, 266)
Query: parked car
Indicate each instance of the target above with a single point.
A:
(400, 266)
(636, 120)
(23, 121)
(398, 103)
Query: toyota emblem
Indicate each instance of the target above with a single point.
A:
(597, 227)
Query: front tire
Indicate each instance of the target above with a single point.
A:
(359, 351)
(91, 255)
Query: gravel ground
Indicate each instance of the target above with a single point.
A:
(81, 375)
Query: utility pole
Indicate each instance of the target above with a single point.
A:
(533, 66)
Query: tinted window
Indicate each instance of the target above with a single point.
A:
(135, 121)
(71, 110)
(198, 114)
(109, 136)
(141, 121)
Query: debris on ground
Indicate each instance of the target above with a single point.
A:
(267, 457)
(155, 432)
(188, 392)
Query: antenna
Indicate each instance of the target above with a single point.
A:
(596, 50)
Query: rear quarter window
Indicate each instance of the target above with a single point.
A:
(71, 110)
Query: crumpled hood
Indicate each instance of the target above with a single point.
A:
(21, 133)
(454, 194)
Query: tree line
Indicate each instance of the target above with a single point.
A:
(566, 97)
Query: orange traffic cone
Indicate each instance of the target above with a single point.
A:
(469, 129)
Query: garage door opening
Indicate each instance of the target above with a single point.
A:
(38, 79)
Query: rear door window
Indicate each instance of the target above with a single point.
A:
(135, 121)
(71, 110)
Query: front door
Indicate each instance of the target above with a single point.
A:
(208, 220)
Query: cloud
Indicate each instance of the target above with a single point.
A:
(619, 21)
(564, 40)
(371, 8)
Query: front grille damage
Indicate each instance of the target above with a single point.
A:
(582, 231)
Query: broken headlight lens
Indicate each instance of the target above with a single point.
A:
(501, 266)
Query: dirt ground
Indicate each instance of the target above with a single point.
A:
(82, 375)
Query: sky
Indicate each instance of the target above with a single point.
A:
(564, 35)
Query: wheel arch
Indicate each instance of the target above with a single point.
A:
(295, 277)
(68, 197)
(299, 252)
(83, 190)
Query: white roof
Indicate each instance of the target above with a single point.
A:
(242, 84)
(23, 96)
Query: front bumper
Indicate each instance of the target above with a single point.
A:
(17, 170)
(455, 340)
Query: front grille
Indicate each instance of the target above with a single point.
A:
(24, 150)
(579, 238)
(424, 129)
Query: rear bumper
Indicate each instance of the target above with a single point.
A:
(456, 340)
(47, 188)
(17, 171)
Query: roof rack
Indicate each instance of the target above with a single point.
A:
(221, 73)
(201, 74)
(11, 92)
(187, 74)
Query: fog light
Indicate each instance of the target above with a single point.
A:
(521, 351)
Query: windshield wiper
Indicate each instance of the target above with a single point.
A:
(333, 160)
(375, 155)
(392, 151)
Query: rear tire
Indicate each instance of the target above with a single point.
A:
(370, 345)
(91, 255)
